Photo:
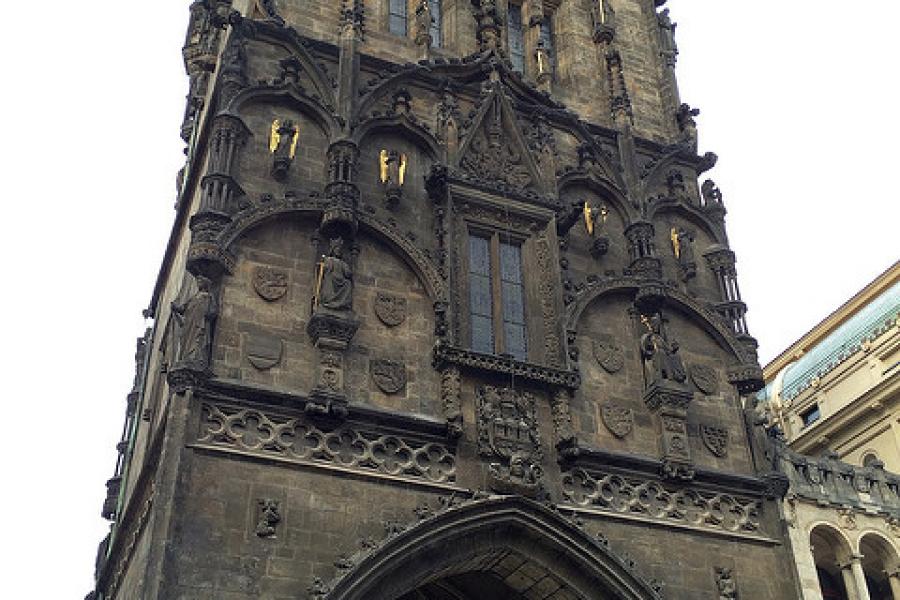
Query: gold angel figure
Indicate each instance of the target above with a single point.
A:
(275, 138)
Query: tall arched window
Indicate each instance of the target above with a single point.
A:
(516, 37)
(436, 38)
(397, 17)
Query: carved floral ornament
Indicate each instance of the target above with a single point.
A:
(232, 428)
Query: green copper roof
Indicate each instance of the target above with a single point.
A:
(871, 320)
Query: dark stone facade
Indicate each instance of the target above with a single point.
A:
(309, 419)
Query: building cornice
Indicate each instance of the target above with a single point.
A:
(832, 321)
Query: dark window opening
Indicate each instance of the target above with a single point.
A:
(435, 6)
(810, 415)
(516, 38)
(496, 296)
(397, 17)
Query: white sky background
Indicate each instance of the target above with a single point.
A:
(799, 99)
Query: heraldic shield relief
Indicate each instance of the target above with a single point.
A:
(507, 429)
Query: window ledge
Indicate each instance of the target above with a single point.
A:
(492, 363)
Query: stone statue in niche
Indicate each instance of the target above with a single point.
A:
(727, 588)
(683, 247)
(423, 24)
(335, 282)
(393, 174)
(710, 192)
(196, 318)
(661, 353)
(283, 145)
(687, 125)
(595, 221)
(668, 48)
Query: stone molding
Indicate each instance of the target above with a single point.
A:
(666, 504)
(272, 434)
(445, 354)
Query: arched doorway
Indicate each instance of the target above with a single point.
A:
(830, 552)
(879, 558)
(500, 548)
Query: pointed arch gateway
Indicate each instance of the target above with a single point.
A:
(502, 548)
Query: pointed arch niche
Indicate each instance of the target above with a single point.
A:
(500, 548)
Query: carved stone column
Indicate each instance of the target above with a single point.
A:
(666, 393)
(352, 21)
(859, 577)
(894, 580)
(450, 400)
(330, 332)
(488, 20)
(341, 192)
(642, 250)
(219, 199)
(671, 401)
(566, 441)
(849, 580)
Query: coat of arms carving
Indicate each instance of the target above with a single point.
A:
(271, 284)
(618, 419)
(388, 375)
(715, 439)
(508, 431)
(390, 309)
(608, 354)
(705, 379)
(264, 351)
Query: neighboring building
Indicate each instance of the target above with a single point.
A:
(838, 386)
(835, 393)
(445, 314)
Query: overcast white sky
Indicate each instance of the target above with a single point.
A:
(798, 98)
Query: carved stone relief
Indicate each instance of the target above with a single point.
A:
(271, 284)
(608, 354)
(725, 584)
(507, 429)
(268, 518)
(650, 498)
(618, 419)
(264, 351)
(715, 439)
(390, 309)
(388, 375)
(299, 440)
(705, 378)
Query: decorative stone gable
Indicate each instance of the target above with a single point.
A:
(496, 148)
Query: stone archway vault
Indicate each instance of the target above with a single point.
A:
(516, 543)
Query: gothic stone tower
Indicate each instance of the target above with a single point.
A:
(445, 314)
